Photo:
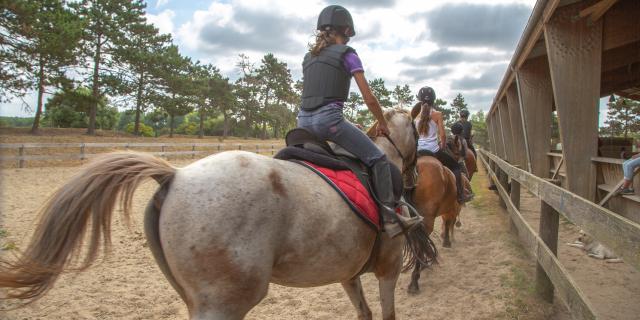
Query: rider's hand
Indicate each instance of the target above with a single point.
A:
(382, 129)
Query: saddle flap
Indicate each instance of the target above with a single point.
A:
(301, 137)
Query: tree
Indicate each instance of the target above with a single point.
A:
(246, 91)
(380, 91)
(107, 25)
(402, 96)
(352, 105)
(141, 50)
(623, 116)
(275, 86)
(41, 41)
(480, 134)
(176, 96)
(457, 105)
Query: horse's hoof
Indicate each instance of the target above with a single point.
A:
(458, 224)
(413, 290)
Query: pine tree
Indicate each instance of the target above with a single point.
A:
(141, 51)
(480, 134)
(107, 25)
(458, 104)
(176, 96)
(40, 44)
(623, 116)
(402, 96)
(381, 92)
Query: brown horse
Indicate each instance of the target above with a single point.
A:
(455, 147)
(221, 229)
(435, 195)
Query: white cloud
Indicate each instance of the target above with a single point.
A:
(163, 21)
(161, 3)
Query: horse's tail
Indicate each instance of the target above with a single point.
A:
(89, 195)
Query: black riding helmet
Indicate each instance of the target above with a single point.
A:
(456, 128)
(427, 94)
(464, 113)
(335, 16)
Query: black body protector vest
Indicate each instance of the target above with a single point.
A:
(325, 78)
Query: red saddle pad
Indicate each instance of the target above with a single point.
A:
(352, 190)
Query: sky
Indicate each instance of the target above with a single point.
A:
(451, 45)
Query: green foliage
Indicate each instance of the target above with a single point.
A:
(623, 117)
(39, 40)
(402, 96)
(145, 130)
(381, 92)
(480, 134)
(7, 122)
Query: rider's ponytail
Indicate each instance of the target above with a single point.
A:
(425, 117)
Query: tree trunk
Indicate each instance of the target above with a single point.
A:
(95, 89)
(136, 126)
(201, 133)
(225, 126)
(36, 121)
(171, 126)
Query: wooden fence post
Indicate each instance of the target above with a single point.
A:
(257, 149)
(239, 147)
(82, 157)
(503, 179)
(218, 148)
(162, 150)
(21, 154)
(272, 150)
(514, 194)
(193, 150)
(548, 231)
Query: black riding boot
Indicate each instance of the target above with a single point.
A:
(460, 187)
(394, 224)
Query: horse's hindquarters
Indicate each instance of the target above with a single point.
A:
(235, 221)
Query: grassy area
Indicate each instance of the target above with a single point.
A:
(522, 301)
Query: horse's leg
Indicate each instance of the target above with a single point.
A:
(414, 287)
(354, 291)
(446, 227)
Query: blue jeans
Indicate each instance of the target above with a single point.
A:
(628, 166)
(328, 123)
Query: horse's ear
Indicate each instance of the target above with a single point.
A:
(372, 132)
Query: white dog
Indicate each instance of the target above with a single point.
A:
(594, 248)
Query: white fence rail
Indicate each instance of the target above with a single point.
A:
(203, 149)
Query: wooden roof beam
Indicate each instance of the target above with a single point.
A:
(597, 10)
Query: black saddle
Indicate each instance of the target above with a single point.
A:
(303, 145)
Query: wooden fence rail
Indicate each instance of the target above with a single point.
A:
(22, 157)
(620, 234)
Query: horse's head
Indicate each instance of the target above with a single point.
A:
(400, 147)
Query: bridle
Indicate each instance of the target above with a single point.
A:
(406, 165)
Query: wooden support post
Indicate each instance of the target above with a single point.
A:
(193, 149)
(505, 119)
(574, 49)
(273, 150)
(557, 169)
(503, 179)
(21, 162)
(239, 147)
(82, 156)
(514, 195)
(517, 132)
(536, 93)
(162, 150)
(218, 148)
(548, 232)
(257, 149)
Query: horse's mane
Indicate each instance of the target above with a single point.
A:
(388, 114)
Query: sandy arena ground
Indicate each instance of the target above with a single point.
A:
(485, 275)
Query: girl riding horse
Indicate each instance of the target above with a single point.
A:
(328, 68)
(432, 141)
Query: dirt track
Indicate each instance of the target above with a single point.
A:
(484, 276)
